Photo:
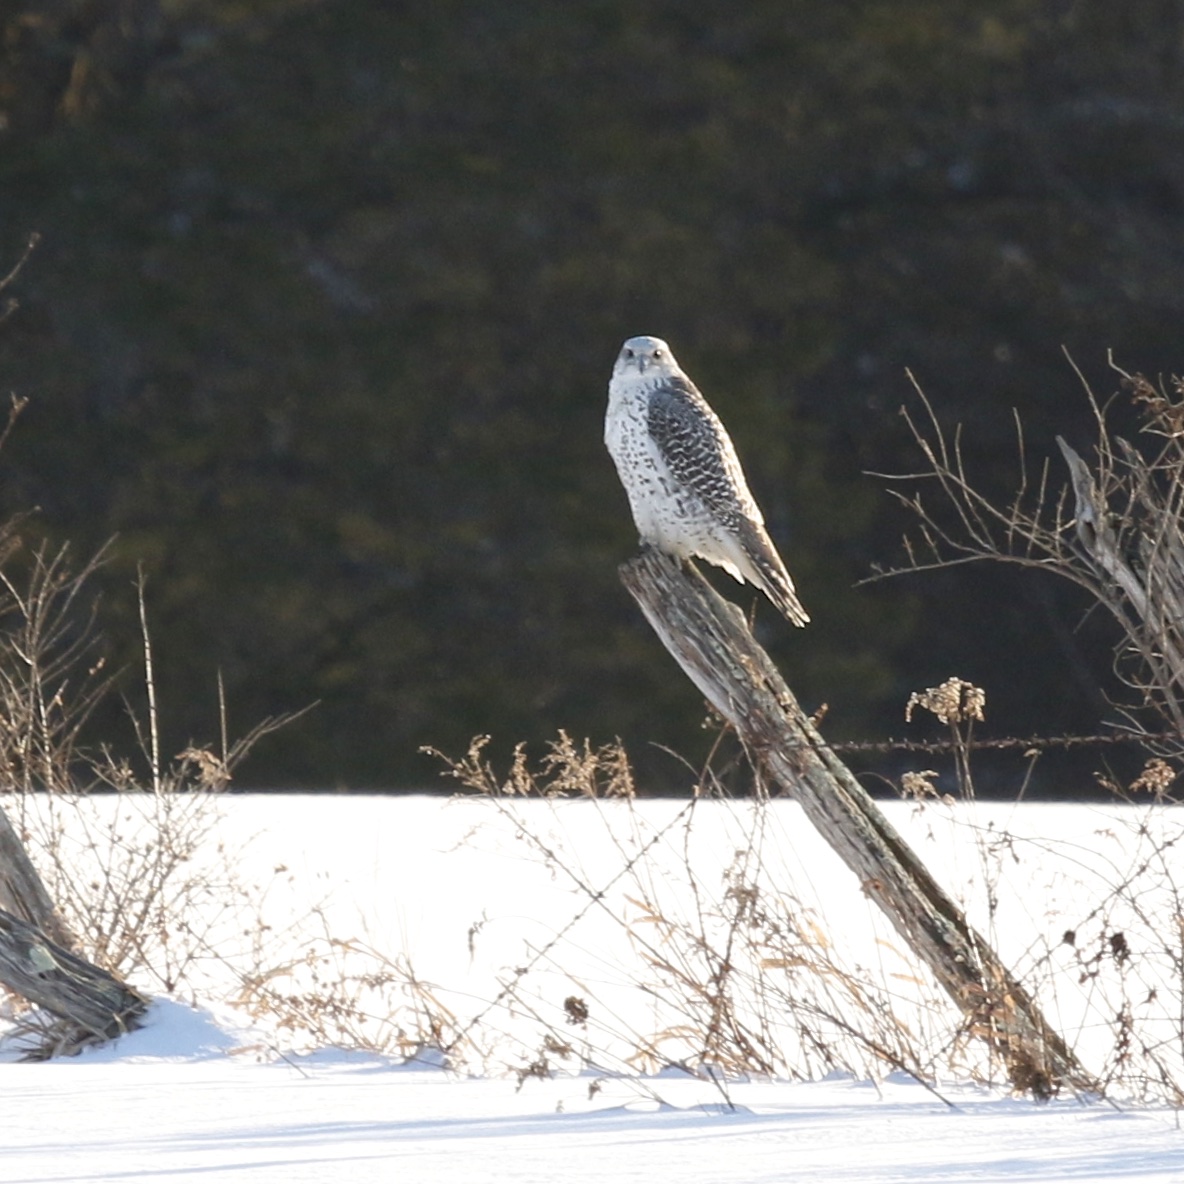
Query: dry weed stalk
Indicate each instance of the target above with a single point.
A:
(761, 986)
(10, 304)
(1108, 950)
(957, 704)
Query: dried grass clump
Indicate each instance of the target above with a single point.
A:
(1157, 778)
(566, 769)
(347, 994)
(919, 785)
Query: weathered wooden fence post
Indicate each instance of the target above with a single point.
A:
(711, 642)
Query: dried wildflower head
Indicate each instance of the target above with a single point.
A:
(918, 786)
(955, 701)
(576, 1010)
(1165, 415)
(211, 770)
(1156, 777)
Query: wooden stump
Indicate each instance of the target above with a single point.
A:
(709, 639)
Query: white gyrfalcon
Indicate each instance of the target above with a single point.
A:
(686, 488)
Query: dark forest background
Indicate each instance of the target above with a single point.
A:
(329, 291)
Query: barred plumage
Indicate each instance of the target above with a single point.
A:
(685, 485)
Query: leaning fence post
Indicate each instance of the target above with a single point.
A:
(709, 639)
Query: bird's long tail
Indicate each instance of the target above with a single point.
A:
(769, 574)
(785, 599)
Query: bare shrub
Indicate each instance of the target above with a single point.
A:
(760, 983)
(136, 884)
(1115, 528)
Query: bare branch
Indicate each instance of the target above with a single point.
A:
(10, 305)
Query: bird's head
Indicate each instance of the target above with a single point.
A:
(645, 355)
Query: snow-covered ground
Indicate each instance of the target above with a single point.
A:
(173, 1103)
(460, 902)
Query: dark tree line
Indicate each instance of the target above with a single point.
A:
(328, 294)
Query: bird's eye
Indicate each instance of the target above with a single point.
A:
(657, 354)
(628, 353)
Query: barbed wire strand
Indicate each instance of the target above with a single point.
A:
(998, 744)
